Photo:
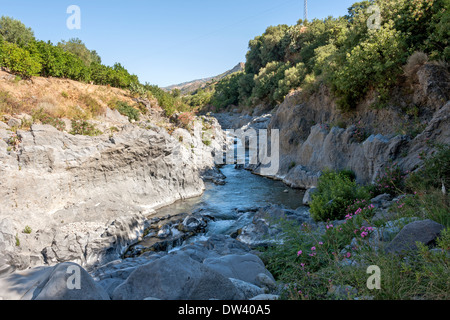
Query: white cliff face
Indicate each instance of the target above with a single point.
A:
(83, 195)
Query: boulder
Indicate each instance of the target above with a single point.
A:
(61, 284)
(13, 122)
(425, 231)
(176, 277)
(66, 281)
(3, 125)
(382, 201)
(246, 267)
(308, 196)
(247, 289)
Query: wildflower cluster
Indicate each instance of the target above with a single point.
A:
(360, 134)
(391, 181)
(14, 141)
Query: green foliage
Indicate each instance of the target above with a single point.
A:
(391, 180)
(79, 49)
(43, 117)
(27, 230)
(137, 90)
(127, 110)
(435, 171)
(82, 127)
(336, 191)
(292, 79)
(267, 81)
(19, 61)
(14, 31)
(165, 100)
(374, 63)
(350, 59)
(227, 91)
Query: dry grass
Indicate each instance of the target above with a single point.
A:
(415, 61)
(59, 98)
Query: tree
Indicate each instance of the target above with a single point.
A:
(79, 49)
(15, 31)
(18, 60)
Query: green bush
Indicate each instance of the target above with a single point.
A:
(82, 127)
(127, 110)
(435, 171)
(45, 118)
(14, 31)
(335, 192)
(227, 91)
(19, 61)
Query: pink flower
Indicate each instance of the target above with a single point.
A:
(321, 243)
(313, 248)
(299, 253)
(302, 265)
(349, 255)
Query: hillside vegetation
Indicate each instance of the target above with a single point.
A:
(24, 56)
(343, 53)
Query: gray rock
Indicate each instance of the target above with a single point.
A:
(265, 297)
(21, 285)
(247, 289)
(266, 282)
(342, 292)
(243, 267)
(3, 125)
(301, 177)
(382, 201)
(425, 231)
(308, 196)
(56, 286)
(51, 283)
(81, 191)
(13, 122)
(176, 277)
(265, 229)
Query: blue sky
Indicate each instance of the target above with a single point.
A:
(171, 41)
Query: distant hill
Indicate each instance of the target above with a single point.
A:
(191, 86)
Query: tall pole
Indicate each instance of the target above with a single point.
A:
(305, 16)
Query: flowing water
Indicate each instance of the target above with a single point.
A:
(231, 204)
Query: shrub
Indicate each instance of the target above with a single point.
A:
(186, 119)
(92, 106)
(435, 171)
(335, 192)
(360, 134)
(127, 110)
(391, 180)
(27, 230)
(82, 127)
(373, 63)
(415, 61)
(42, 116)
(14, 31)
(19, 61)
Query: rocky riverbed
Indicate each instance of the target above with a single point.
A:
(147, 215)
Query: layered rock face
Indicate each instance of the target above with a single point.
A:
(85, 199)
(311, 139)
